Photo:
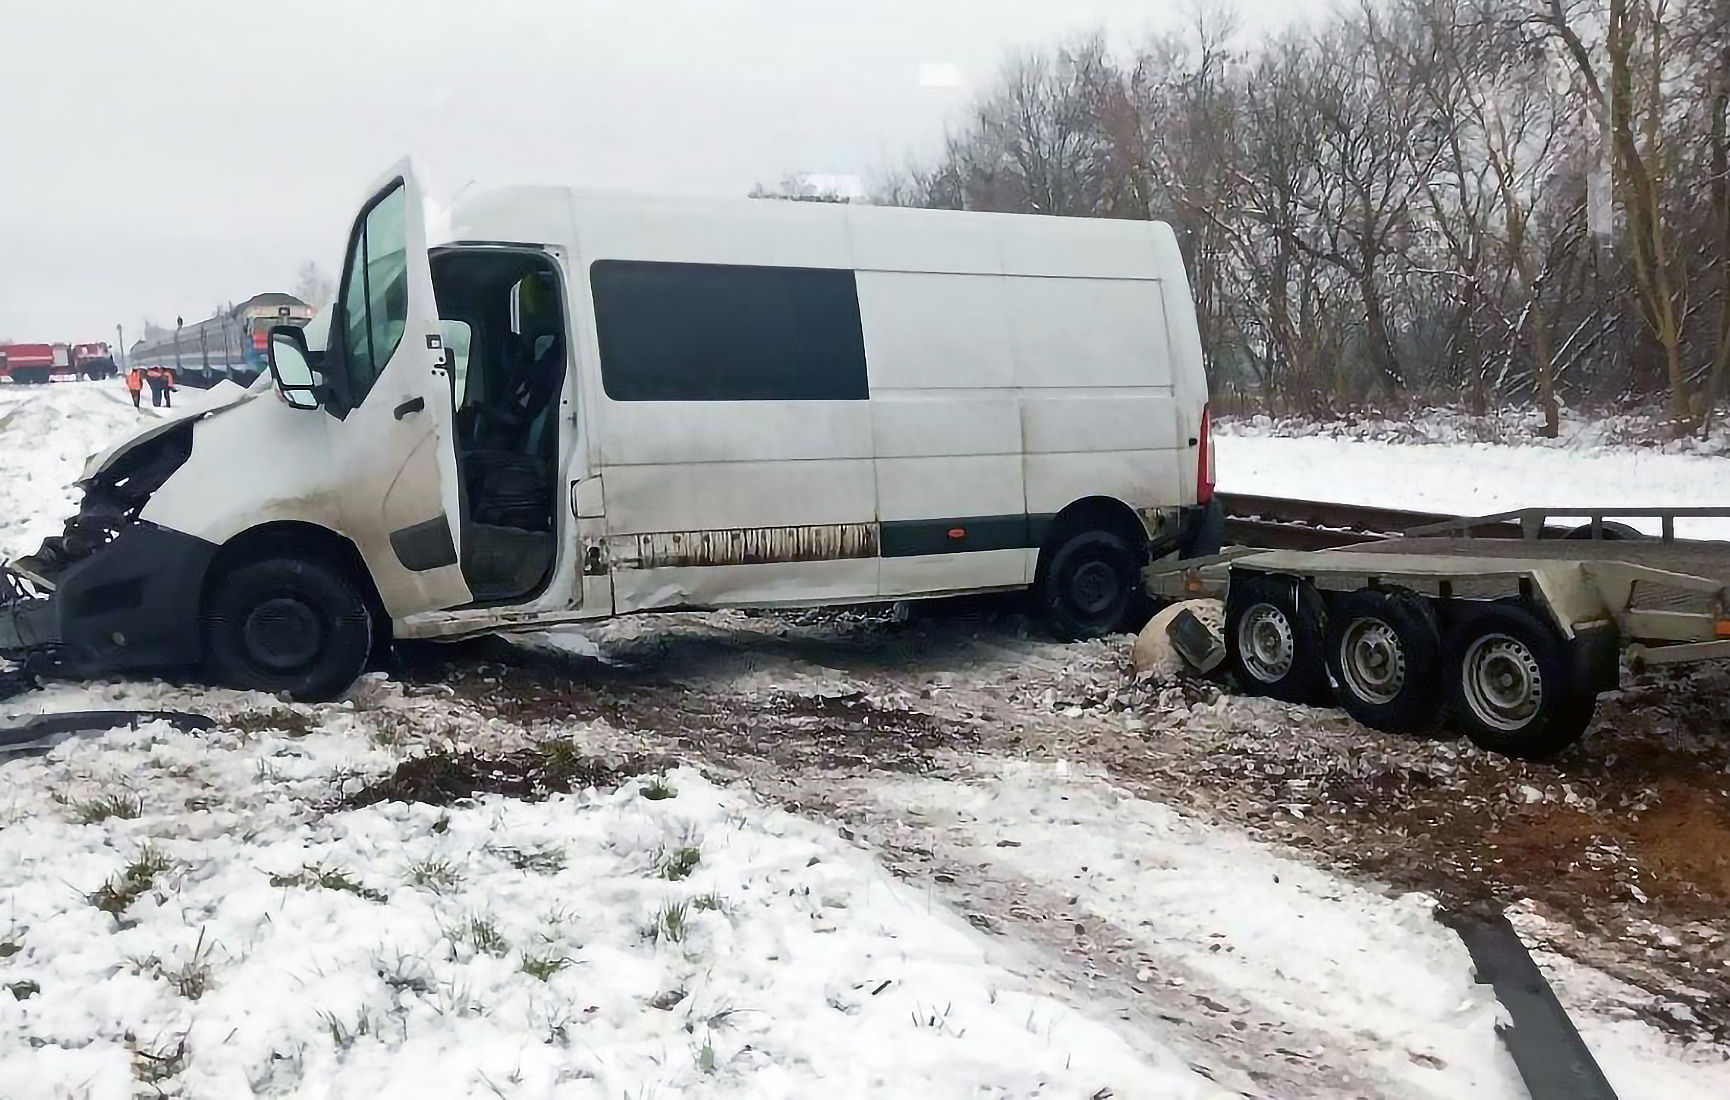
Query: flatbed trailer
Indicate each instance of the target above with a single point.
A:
(1509, 640)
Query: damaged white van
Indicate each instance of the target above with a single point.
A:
(587, 405)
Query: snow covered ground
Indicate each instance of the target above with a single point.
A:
(190, 914)
(1475, 478)
(608, 943)
(199, 914)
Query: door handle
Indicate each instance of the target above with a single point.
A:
(414, 406)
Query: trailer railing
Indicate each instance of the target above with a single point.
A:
(1535, 523)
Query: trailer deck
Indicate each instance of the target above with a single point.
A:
(1513, 638)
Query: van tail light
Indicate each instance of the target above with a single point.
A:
(1204, 461)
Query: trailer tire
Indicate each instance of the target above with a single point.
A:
(1384, 651)
(293, 626)
(1275, 629)
(1092, 587)
(1611, 531)
(1511, 686)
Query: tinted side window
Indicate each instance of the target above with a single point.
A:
(375, 294)
(708, 332)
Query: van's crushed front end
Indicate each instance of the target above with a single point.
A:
(111, 592)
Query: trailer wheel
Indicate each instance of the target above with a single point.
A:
(1274, 628)
(1092, 586)
(1384, 651)
(1611, 531)
(1510, 685)
(294, 626)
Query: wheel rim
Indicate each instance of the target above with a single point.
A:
(1503, 684)
(1372, 661)
(283, 633)
(1094, 588)
(1264, 640)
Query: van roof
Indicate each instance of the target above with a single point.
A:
(611, 224)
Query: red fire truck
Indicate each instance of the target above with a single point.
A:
(38, 363)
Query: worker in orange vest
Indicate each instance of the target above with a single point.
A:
(161, 381)
(135, 385)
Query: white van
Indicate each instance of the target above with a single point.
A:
(586, 405)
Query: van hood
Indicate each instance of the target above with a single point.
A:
(220, 398)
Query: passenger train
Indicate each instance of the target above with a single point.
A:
(231, 345)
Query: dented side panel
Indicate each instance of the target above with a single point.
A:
(749, 546)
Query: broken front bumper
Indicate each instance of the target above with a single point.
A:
(131, 605)
(28, 621)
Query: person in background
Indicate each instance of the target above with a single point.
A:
(135, 385)
(161, 381)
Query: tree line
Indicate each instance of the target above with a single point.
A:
(1487, 202)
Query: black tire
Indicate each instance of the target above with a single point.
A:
(293, 626)
(1091, 587)
(1384, 652)
(1511, 685)
(1265, 614)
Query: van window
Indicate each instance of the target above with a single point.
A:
(710, 332)
(375, 296)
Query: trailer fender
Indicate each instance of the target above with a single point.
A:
(1597, 658)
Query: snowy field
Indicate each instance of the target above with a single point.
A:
(1474, 479)
(204, 916)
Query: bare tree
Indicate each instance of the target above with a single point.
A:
(313, 287)
(1406, 201)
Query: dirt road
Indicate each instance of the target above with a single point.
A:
(1614, 854)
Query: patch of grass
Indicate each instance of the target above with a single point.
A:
(117, 894)
(97, 810)
(154, 1066)
(705, 1057)
(390, 729)
(670, 923)
(678, 866)
(433, 874)
(545, 860)
(447, 776)
(484, 936)
(935, 1020)
(455, 1000)
(9, 949)
(192, 978)
(289, 723)
(720, 1018)
(558, 1029)
(317, 876)
(657, 789)
(708, 903)
(543, 967)
(23, 990)
(344, 1034)
(407, 972)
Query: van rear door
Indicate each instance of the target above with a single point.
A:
(386, 366)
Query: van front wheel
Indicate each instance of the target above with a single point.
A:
(291, 626)
(1091, 587)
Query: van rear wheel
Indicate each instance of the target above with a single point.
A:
(293, 626)
(1091, 587)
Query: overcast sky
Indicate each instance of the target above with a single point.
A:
(160, 158)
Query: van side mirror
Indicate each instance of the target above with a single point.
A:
(295, 379)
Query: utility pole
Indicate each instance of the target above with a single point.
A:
(179, 322)
(120, 347)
